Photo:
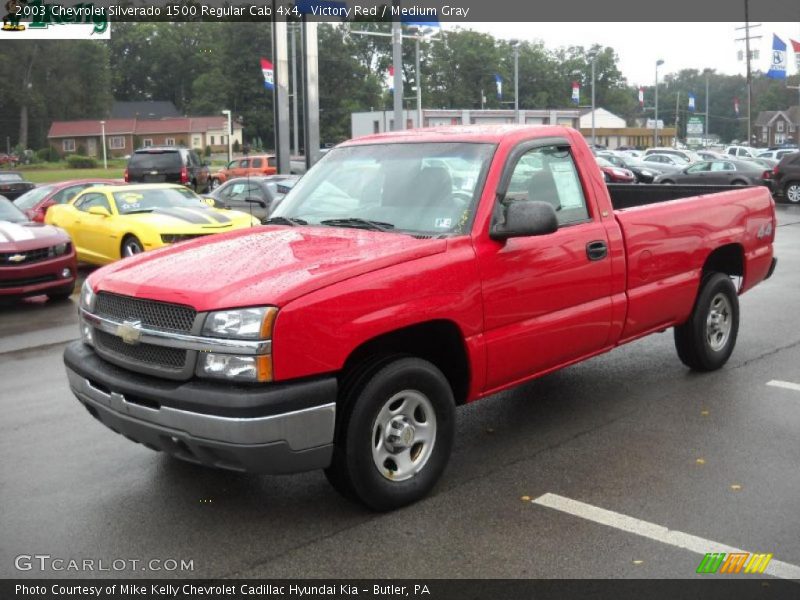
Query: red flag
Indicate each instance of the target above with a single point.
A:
(576, 92)
(796, 48)
(736, 106)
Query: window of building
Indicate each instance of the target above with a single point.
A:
(169, 141)
(147, 142)
(211, 138)
(116, 142)
(68, 145)
(779, 126)
(376, 127)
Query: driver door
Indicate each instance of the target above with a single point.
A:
(697, 173)
(547, 298)
(94, 233)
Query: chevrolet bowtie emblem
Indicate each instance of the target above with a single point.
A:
(130, 332)
(17, 258)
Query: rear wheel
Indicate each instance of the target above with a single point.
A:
(131, 246)
(705, 342)
(793, 192)
(395, 433)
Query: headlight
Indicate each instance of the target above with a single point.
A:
(243, 323)
(59, 249)
(87, 297)
(235, 368)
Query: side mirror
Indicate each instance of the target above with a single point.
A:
(258, 201)
(100, 211)
(523, 218)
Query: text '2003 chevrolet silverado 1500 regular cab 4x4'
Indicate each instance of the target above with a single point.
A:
(404, 275)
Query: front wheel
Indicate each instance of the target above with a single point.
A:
(705, 342)
(793, 192)
(131, 246)
(394, 435)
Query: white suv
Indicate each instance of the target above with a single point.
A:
(741, 151)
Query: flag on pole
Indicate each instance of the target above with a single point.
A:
(641, 97)
(777, 69)
(498, 81)
(796, 48)
(269, 74)
(388, 79)
(576, 92)
(691, 102)
(736, 106)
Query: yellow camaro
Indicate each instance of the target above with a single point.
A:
(107, 223)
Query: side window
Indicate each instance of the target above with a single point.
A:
(699, 168)
(548, 174)
(272, 161)
(255, 191)
(69, 193)
(90, 200)
(257, 163)
(244, 164)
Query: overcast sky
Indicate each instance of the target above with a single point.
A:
(639, 45)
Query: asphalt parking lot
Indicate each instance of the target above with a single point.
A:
(627, 465)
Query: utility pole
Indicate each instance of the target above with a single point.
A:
(747, 37)
(293, 95)
(659, 62)
(677, 118)
(397, 62)
(708, 116)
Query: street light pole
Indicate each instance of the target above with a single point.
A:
(705, 137)
(296, 132)
(103, 135)
(230, 147)
(397, 62)
(419, 84)
(594, 62)
(659, 62)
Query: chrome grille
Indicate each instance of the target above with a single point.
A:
(155, 356)
(152, 314)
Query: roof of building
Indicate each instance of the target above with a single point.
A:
(185, 125)
(765, 117)
(150, 109)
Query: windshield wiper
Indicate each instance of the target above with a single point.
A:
(285, 221)
(358, 223)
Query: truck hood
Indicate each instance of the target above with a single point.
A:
(265, 265)
(19, 237)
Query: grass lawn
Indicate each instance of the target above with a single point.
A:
(53, 174)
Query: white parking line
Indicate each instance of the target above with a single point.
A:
(655, 532)
(787, 385)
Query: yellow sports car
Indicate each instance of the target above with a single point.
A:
(107, 223)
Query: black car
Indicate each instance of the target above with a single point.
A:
(720, 172)
(787, 178)
(644, 172)
(13, 184)
(168, 164)
(264, 191)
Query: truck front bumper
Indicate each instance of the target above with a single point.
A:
(278, 428)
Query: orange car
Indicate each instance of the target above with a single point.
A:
(260, 164)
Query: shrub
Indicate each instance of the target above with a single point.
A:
(76, 161)
(48, 154)
(207, 151)
(237, 147)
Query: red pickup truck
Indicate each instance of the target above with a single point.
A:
(404, 275)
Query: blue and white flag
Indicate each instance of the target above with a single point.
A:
(499, 83)
(777, 69)
(691, 102)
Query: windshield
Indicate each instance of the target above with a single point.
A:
(10, 177)
(146, 200)
(30, 199)
(418, 188)
(9, 212)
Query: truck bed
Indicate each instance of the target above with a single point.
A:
(626, 195)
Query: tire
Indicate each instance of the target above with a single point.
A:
(62, 294)
(394, 435)
(131, 246)
(705, 342)
(792, 192)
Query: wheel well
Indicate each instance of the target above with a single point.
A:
(439, 342)
(727, 259)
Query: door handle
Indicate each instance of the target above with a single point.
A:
(597, 250)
